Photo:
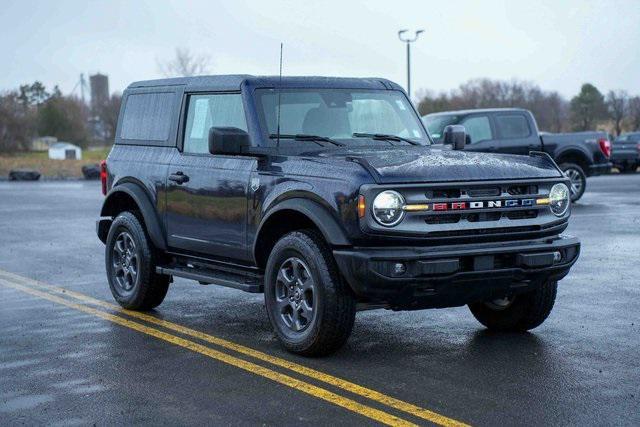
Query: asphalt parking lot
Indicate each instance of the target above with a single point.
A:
(207, 355)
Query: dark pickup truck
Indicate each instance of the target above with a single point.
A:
(514, 131)
(625, 153)
(327, 195)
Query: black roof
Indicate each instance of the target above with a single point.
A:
(235, 81)
(474, 111)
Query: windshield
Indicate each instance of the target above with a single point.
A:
(344, 115)
(436, 124)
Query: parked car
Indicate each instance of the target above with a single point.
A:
(625, 154)
(514, 131)
(327, 195)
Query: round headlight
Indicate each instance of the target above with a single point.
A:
(559, 199)
(387, 208)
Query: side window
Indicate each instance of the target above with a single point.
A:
(478, 128)
(207, 111)
(512, 126)
(147, 117)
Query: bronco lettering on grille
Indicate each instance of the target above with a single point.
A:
(484, 204)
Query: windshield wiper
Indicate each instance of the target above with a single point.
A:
(384, 137)
(305, 137)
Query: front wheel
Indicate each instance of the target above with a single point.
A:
(577, 177)
(517, 313)
(310, 306)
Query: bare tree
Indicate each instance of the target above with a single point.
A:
(185, 64)
(634, 113)
(617, 103)
(549, 108)
(17, 123)
(108, 114)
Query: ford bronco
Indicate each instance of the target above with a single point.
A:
(327, 195)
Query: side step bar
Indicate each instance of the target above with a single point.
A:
(252, 284)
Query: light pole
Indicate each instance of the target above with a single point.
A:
(408, 41)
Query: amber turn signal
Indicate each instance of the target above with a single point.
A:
(362, 206)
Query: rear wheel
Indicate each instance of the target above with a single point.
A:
(517, 313)
(309, 305)
(577, 177)
(130, 263)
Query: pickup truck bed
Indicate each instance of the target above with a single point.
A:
(626, 152)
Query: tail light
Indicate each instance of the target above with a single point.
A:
(103, 176)
(605, 146)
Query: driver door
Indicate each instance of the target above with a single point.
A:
(207, 194)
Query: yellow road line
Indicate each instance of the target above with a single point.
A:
(368, 393)
(253, 368)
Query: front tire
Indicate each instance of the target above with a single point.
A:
(311, 308)
(578, 179)
(519, 313)
(131, 265)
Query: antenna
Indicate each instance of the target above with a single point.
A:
(279, 92)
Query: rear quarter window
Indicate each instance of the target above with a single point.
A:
(511, 126)
(147, 117)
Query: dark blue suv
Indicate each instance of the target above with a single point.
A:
(327, 195)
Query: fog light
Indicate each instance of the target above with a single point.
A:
(399, 269)
(557, 256)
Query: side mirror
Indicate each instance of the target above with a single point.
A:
(227, 140)
(455, 135)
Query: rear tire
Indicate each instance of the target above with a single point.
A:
(310, 306)
(578, 179)
(523, 312)
(131, 265)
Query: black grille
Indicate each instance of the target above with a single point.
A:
(484, 231)
(442, 219)
(521, 190)
(522, 214)
(484, 216)
(444, 193)
(483, 192)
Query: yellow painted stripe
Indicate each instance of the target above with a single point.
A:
(277, 361)
(544, 201)
(252, 368)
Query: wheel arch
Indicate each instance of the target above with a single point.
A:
(295, 214)
(131, 196)
(573, 155)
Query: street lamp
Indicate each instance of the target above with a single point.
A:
(408, 41)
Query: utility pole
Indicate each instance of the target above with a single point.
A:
(408, 41)
(83, 85)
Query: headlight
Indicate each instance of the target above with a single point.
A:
(387, 208)
(559, 199)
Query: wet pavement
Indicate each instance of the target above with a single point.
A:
(64, 361)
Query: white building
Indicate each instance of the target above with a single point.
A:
(64, 150)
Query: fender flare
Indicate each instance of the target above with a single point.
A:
(146, 208)
(331, 230)
(576, 151)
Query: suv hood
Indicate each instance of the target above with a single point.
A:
(434, 164)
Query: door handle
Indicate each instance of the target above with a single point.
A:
(179, 177)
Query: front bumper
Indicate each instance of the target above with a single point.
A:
(448, 276)
(600, 169)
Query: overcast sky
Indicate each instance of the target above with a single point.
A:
(557, 44)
